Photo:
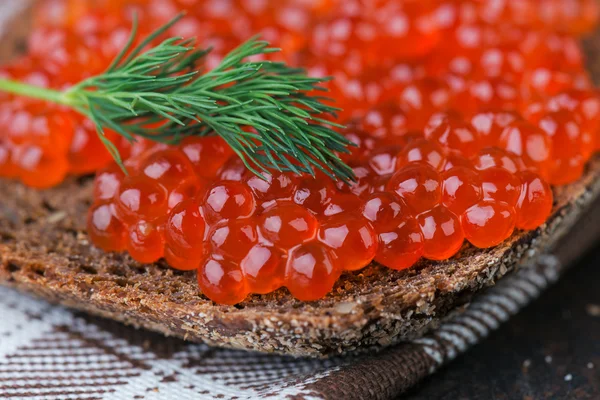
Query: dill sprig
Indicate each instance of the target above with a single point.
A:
(266, 111)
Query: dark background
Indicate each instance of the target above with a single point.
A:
(530, 356)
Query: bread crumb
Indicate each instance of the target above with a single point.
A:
(345, 307)
(56, 217)
(503, 269)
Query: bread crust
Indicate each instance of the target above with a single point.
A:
(44, 250)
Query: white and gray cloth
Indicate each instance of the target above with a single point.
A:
(50, 352)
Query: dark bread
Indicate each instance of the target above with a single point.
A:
(44, 250)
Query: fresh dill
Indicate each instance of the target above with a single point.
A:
(266, 111)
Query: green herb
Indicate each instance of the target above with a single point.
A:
(262, 109)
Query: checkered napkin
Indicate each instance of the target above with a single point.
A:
(49, 352)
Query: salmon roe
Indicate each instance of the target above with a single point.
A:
(463, 114)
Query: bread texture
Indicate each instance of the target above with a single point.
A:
(44, 250)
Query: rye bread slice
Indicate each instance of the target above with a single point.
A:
(44, 250)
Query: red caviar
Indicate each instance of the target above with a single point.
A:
(563, 129)
(400, 242)
(311, 271)
(264, 269)
(422, 98)
(222, 281)
(287, 225)
(419, 185)
(495, 157)
(184, 233)
(422, 150)
(488, 223)
(233, 239)
(500, 184)
(530, 143)
(490, 124)
(442, 233)
(535, 201)
(353, 238)
(453, 133)
(463, 113)
(105, 229)
(461, 188)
